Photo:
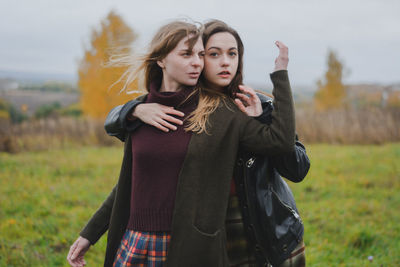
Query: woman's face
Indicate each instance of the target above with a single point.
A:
(221, 59)
(183, 66)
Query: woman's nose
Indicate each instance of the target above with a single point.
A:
(197, 61)
(225, 61)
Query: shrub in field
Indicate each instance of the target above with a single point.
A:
(9, 112)
(48, 110)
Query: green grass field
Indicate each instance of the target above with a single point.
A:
(349, 202)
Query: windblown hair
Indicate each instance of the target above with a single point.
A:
(164, 41)
(210, 99)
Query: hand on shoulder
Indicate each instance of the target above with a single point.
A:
(248, 101)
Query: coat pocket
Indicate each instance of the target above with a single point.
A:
(203, 249)
(216, 233)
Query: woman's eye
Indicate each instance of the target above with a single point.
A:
(232, 54)
(214, 54)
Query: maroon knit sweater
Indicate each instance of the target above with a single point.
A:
(157, 158)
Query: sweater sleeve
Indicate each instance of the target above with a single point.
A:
(279, 136)
(98, 224)
(293, 166)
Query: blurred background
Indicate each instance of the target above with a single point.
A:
(57, 164)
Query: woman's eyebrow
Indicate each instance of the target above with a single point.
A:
(214, 47)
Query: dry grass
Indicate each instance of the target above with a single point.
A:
(52, 133)
(346, 126)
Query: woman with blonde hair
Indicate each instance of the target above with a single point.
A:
(169, 205)
(241, 247)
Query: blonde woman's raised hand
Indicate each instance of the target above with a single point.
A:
(281, 62)
(248, 101)
(77, 252)
(158, 115)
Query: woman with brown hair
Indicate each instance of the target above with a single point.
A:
(221, 78)
(177, 183)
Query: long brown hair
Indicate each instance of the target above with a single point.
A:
(163, 42)
(210, 99)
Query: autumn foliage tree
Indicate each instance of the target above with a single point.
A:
(331, 91)
(95, 80)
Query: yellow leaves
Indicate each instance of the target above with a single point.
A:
(394, 99)
(331, 93)
(95, 80)
(4, 114)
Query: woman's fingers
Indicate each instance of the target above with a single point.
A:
(281, 62)
(71, 250)
(240, 105)
(283, 49)
(281, 46)
(77, 251)
(81, 261)
(172, 111)
(244, 98)
(166, 124)
(160, 116)
(248, 90)
(251, 100)
(171, 119)
(71, 254)
(159, 126)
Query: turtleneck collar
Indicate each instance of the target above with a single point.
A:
(172, 99)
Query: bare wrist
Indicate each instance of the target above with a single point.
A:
(133, 115)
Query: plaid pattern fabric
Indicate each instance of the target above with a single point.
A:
(142, 249)
(297, 257)
(240, 253)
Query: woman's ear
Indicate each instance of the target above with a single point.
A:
(160, 63)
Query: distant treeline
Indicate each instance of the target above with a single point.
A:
(50, 87)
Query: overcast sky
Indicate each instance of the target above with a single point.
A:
(49, 35)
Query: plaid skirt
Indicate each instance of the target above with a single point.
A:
(240, 251)
(297, 257)
(142, 249)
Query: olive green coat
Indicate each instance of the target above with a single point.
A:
(198, 236)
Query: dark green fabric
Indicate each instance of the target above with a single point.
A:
(239, 248)
(198, 235)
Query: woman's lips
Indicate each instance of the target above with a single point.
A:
(194, 74)
(224, 74)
